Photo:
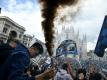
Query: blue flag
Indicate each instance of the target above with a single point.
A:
(102, 40)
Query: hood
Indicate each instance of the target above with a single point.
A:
(20, 47)
(5, 47)
(62, 72)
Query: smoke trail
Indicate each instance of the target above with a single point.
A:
(49, 12)
(68, 14)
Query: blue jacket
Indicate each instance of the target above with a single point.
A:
(15, 65)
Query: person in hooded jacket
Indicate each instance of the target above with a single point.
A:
(62, 74)
(18, 61)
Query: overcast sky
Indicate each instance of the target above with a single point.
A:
(27, 13)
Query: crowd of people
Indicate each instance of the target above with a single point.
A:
(67, 71)
(15, 64)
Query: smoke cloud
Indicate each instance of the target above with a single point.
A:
(49, 12)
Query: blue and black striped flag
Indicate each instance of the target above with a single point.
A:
(102, 40)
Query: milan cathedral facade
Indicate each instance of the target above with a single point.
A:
(69, 33)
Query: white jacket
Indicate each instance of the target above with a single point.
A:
(62, 75)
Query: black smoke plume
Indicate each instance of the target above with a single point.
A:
(49, 12)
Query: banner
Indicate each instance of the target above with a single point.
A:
(67, 47)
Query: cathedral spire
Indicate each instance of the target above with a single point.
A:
(71, 28)
(77, 35)
(63, 27)
(85, 38)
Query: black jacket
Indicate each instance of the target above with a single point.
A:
(5, 51)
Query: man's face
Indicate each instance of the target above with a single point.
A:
(81, 76)
(33, 51)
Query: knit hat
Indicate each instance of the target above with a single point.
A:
(38, 46)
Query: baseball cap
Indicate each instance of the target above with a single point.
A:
(38, 46)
